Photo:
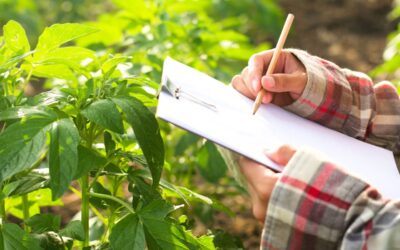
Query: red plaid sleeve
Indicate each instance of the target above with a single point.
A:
(348, 102)
(315, 205)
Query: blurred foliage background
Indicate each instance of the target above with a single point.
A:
(214, 36)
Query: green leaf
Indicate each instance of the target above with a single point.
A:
(41, 223)
(104, 113)
(109, 66)
(25, 142)
(161, 233)
(21, 112)
(185, 142)
(59, 71)
(74, 230)
(211, 164)
(146, 131)
(15, 38)
(128, 234)
(63, 155)
(23, 185)
(58, 34)
(88, 159)
(12, 237)
(224, 240)
(109, 143)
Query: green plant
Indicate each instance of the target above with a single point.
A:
(390, 68)
(92, 126)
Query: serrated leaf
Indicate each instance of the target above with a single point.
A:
(15, 38)
(63, 155)
(128, 234)
(211, 164)
(12, 237)
(58, 34)
(41, 223)
(104, 113)
(25, 141)
(74, 230)
(147, 133)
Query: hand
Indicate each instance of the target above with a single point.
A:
(261, 181)
(283, 87)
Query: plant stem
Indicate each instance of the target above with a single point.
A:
(25, 211)
(85, 208)
(109, 197)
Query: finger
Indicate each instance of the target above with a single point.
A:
(283, 155)
(257, 67)
(268, 97)
(259, 207)
(278, 83)
(240, 86)
(254, 172)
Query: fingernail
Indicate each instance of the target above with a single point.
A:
(255, 84)
(269, 81)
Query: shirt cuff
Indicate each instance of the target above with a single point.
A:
(327, 96)
(309, 203)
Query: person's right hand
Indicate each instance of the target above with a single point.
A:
(282, 88)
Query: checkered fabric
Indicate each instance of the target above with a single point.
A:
(315, 204)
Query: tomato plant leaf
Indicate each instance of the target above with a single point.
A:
(128, 234)
(15, 38)
(147, 133)
(63, 155)
(12, 237)
(25, 142)
(41, 223)
(104, 113)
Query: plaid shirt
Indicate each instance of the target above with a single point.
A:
(315, 204)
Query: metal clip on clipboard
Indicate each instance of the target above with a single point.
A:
(177, 92)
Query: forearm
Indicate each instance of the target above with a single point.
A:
(348, 102)
(315, 205)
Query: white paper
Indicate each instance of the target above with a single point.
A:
(230, 123)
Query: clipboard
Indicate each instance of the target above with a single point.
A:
(186, 98)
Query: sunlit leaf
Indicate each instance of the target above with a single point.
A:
(58, 34)
(15, 37)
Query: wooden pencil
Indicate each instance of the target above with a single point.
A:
(275, 57)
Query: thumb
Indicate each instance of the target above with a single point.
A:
(294, 82)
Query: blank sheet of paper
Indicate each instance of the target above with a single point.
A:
(219, 113)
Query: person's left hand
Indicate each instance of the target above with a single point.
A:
(261, 180)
